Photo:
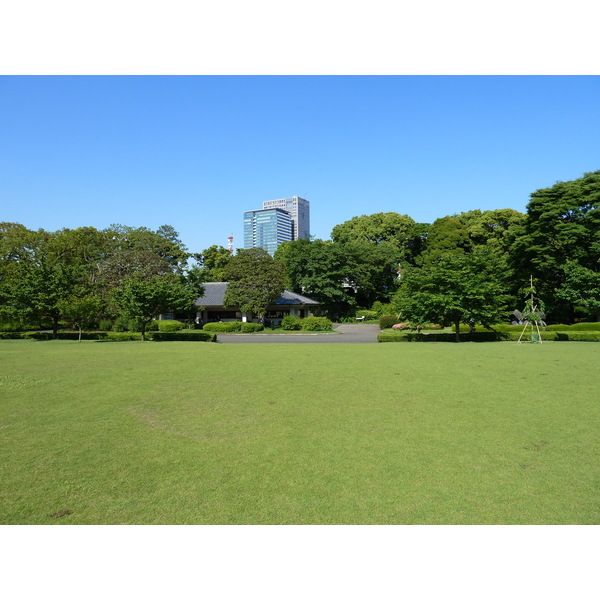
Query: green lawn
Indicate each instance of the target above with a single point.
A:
(184, 432)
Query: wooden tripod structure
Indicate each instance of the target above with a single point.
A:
(531, 312)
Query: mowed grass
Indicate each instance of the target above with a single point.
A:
(198, 433)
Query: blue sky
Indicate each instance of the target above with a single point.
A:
(195, 152)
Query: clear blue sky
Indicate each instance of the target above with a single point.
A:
(196, 152)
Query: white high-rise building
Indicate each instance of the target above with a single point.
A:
(299, 209)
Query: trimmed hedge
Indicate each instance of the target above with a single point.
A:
(183, 336)
(574, 327)
(316, 324)
(169, 325)
(291, 323)
(114, 336)
(227, 327)
(251, 327)
(491, 336)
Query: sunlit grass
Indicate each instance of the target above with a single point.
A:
(292, 434)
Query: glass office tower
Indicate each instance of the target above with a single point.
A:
(299, 209)
(267, 228)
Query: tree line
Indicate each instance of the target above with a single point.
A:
(467, 267)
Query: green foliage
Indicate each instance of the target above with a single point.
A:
(188, 335)
(291, 323)
(316, 324)
(595, 326)
(169, 325)
(456, 288)
(560, 243)
(480, 336)
(369, 315)
(143, 299)
(256, 280)
(574, 327)
(251, 327)
(387, 321)
(226, 327)
(121, 323)
(105, 325)
(322, 271)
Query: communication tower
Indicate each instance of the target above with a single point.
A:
(230, 243)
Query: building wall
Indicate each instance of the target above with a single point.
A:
(299, 209)
(267, 228)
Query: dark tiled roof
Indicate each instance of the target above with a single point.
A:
(214, 294)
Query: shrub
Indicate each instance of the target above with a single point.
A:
(188, 335)
(585, 327)
(105, 325)
(291, 323)
(121, 324)
(387, 321)
(169, 326)
(228, 327)
(381, 309)
(369, 315)
(251, 327)
(316, 324)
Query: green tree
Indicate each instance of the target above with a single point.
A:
(81, 308)
(562, 229)
(581, 288)
(40, 289)
(144, 299)
(454, 289)
(255, 279)
(213, 261)
(400, 231)
(323, 271)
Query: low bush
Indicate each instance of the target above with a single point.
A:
(291, 323)
(381, 309)
(387, 322)
(169, 326)
(188, 335)
(369, 315)
(121, 324)
(227, 327)
(594, 326)
(557, 327)
(105, 325)
(251, 327)
(316, 324)
(579, 336)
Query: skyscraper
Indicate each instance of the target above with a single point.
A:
(299, 208)
(267, 228)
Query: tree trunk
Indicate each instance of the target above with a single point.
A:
(80, 333)
(143, 331)
(54, 328)
(457, 325)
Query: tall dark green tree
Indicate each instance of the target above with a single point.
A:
(562, 229)
(255, 279)
(323, 271)
(454, 289)
(400, 231)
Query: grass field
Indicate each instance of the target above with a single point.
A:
(197, 433)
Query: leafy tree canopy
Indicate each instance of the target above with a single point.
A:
(255, 279)
(144, 299)
(455, 289)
